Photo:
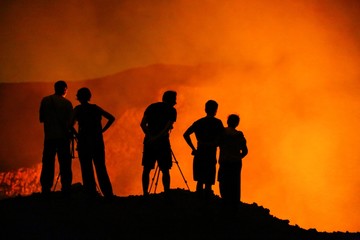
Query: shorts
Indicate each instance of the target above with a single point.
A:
(204, 165)
(159, 152)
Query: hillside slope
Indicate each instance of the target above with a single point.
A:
(182, 215)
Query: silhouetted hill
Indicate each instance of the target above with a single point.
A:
(21, 131)
(182, 215)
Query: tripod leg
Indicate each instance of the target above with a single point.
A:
(57, 180)
(180, 169)
(152, 180)
(157, 178)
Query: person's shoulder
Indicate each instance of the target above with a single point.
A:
(153, 105)
(97, 107)
(218, 120)
(201, 120)
(77, 107)
(157, 104)
(240, 134)
(60, 99)
(214, 120)
(46, 98)
(67, 100)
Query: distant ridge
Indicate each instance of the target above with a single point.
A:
(21, 131)
(181, 215)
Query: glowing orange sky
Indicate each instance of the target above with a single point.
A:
(289, 68)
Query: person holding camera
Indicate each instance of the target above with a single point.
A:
(156, 123)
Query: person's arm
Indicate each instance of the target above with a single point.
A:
(110, 119)
(72, 124)
(165, 130)
(71, 120)
(143, 125)
(41, 111)
(187, 138)
(244, 149)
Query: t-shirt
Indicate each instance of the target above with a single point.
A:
(158, 115)
(232, 144)
(56, 113)
(207, 131)
(89, 117)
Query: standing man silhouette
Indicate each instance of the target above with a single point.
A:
(157, 122)
(207, 131)
(233, 149)
(56, 113)
(91, 146)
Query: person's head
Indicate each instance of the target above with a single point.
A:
(233, 120)
(60, 88)
(83, 94)
(169, 97)
(211, 107)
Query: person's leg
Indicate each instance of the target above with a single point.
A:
(208, 188)
(64, 158)
(237, 182)
(145, 180)
(209, 175)
(87, 171)
(48, 166)
(148, 163)
(164, 157)
(101, 172)
(223, 177)
(199, 187)
(166, 179)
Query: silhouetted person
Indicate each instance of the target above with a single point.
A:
(157, 122)
(55, 113)
(207, 131)
(232, 150)
(90, 146)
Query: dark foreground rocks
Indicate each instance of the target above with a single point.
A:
(179, 215)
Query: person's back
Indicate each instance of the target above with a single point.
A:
(89, 119)
(55, 113)
(207, 131)
(232, 144)
(158, 115)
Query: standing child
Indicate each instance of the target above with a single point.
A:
(232, 150)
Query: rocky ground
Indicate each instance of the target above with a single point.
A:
(181, 215)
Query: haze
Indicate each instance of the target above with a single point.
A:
(289, 68)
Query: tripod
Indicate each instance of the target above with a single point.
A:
(157, 174)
